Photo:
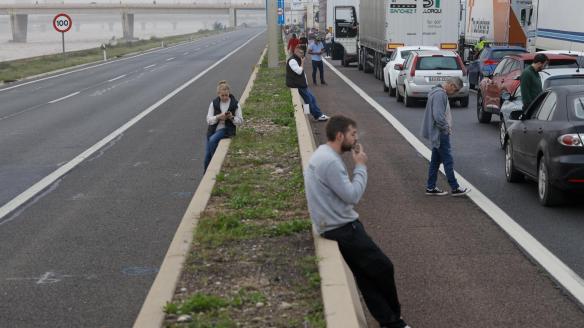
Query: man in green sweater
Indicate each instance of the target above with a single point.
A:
(530, 80)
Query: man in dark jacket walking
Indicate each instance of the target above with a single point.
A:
(296, 78)
(530, 80)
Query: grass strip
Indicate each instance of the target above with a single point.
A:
(15, 70)
(252, 262)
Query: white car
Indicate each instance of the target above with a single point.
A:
(578, 54)
(398, 57)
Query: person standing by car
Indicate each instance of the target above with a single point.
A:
(331, 197)
(328, 39)
(437, 127)
(296, 78)
(303, 43)
(223, 116)
(530, 80)
(315, 50)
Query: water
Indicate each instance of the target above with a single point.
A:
(90, 31)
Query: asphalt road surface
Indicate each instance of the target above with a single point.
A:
(478, 158)
(85, 251)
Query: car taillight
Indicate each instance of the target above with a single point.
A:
(414, 63)
(571, 140)
(461, 65)
(489, 62)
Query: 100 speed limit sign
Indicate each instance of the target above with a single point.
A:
(62, 23)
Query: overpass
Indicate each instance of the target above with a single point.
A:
(19, 12)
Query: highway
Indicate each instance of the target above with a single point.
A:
(479, 159)
(121, 144)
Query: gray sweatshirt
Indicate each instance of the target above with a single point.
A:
(330, 193)
(437, 118)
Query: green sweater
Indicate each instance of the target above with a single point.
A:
(530, 85)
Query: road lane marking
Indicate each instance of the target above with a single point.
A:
(171, 58)
(149, 66)
(553, 265)
(117, 78)
(47, 181)
(63, 98)
(197, 49)
(186, 53)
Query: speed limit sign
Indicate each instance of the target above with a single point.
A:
(62, 23)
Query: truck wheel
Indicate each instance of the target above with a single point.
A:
(366, 67)
(360, 60)
(482, 116)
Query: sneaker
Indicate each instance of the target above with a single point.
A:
(323, 118)
(460, 191)
(323, 83)
(436, 192)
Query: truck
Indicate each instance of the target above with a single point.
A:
(340, 18)
(558, 25)
(388, 24)
(501, 22)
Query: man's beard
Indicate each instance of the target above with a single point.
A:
(346, 147)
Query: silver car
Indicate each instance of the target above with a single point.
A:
(425, 69)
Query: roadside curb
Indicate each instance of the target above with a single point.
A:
(164, 285)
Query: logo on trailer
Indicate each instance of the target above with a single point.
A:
(432, 7)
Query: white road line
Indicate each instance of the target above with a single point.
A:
(171, 58)
(186, 53)
(149, 66)
(63, 98)
(117, 78)
(554, 266)
(197, 49)
(55, 175)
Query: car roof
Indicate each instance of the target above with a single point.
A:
(530, 56)
(547, 73)
(566, 90)
(506, 48)
(430, 53)
(562, 52)
(416, 48)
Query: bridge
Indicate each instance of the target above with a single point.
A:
(19, 12)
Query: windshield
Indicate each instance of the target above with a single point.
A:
(437, 63)
(345, 22)
(405, 53)
(499, 54)
(578, 110)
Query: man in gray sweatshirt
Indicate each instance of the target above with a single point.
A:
(437, 127)
(331, 196)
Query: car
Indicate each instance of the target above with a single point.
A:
(578, 54)
(547, 144)
(425, 69)
(487, 61)
(391, 71)
(505, 78)
(549, 78)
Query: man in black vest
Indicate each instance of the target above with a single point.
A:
(296, 78)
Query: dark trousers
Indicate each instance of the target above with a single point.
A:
(309, 99)
(373, 272)
(317, 64)
(442, 155)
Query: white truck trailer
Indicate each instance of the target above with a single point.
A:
(559, 25)
(501, 22)
(340, 18)
(388, 24)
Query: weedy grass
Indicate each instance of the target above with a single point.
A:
(18, 69)
(256, 225)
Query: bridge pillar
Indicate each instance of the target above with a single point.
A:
(143, 26)
(232, 17)
(19, 24)
(128, 26)
(174, 24)
(110, 26)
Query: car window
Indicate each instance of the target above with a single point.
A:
(406, 53)
(564, 80)
(517, 94)
(499, 54)
(578, 112)
(508, 66)
(393, 55)
(408, 61)
(547, 107)
(500, 66)
(484, 54)
(437, 63)
(534, 106)
(515, 66)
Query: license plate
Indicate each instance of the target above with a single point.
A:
(438, 78)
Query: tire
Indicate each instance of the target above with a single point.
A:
(385, 87)
(360, 60)
(366, 67)
(548, 195)
(482, 116)
(464, 102)
(511, 174)
(392, 91)
(408, 102)
(398, 96)
(502, 133)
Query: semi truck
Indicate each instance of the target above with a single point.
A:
(388, 24)
(500, 22)
(558, 25)
(340, 18)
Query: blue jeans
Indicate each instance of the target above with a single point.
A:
(317, 64)
(442, 155)
(310, 100)
(212, 143)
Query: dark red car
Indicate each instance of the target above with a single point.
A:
(506, 78)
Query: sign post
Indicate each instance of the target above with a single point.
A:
(62, 23)
(281, 17)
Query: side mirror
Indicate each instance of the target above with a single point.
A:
(398, 67)
(506, 96)
(385, 60)
(516, 115)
